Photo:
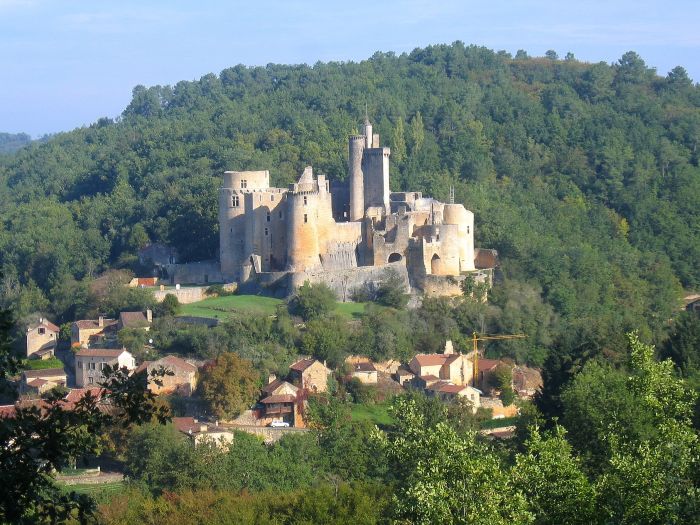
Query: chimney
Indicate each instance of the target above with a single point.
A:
(101, 321)
(449, 349)
(271, 378)
(149, 315)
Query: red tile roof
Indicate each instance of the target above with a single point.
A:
(100, 352)
(452, 389)
(46, 324)
(272, 385)
(281, 398)
(169, 362)
(36, 383)
(76, 394)
(7, 411)
(430, 377)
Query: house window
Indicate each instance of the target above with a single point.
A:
(42, 330)
(234, 201)
(267, 232)
(305, 200)
(102, 366)
(306, 218)
(272, 198)
(80, 364)
(244, 184)
(91, 379)
(92, 366)
(268, 217)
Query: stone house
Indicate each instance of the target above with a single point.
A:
(449, 366)
(281, 402)
(449, 392)
(41, 339)
(135, 320)
(40, 381)
(403, 376)
(86, 332)
(183, 381)
(486, 369)
(310, 375)
(89, 364)
(200, 432)
(365, 372)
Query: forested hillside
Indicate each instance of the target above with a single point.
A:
(584, 177)
(10, 142)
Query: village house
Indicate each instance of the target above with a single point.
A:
(404, 377)
(87, 332)
(448, 392)
(365, 372)
(183, 380)
(310, 374)
(449, 366)
(69, 402)
(135, 320)
(41, 339)
(486, 369)
(200, 432)
(89, 364)
(41, 381)
(281, 402)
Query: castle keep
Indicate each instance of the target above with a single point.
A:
(341, 235)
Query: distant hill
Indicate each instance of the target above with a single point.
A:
(10, 142)
(583, 176)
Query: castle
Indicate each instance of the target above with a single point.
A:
(341, 234)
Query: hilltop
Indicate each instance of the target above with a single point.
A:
(583, 176)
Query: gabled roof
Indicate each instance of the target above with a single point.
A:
(364, 367)
(272, 386)
(46, 372)
(36, 383)
(100, 352)
(431, 359)
(169, 362)
(430, 377)
(487, 364)
(94, 324)
(76, 394)
(133, 319)
(282, 398)
(46, 324)
(302, 364)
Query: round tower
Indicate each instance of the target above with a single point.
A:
(303, 252)
(464, 219)
(368, 133)
(356, 147)
(231, 231)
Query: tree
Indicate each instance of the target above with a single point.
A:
(170, 306)
(446, 478)
(229, 385)
(551, 55)
(313, 301)
(326, 340)
(683, 344)
(398, 142)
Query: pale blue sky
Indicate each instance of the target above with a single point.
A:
(65, 63)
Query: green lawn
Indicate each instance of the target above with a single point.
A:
(39, 364)
(377, 414)
(101, 492)
(501, 422)
(225, 307)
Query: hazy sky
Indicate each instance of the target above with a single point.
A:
(65, 63)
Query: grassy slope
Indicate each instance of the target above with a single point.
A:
(39, 364)
(377, 414)
(224, 307)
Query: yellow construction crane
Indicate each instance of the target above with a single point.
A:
(475, 340)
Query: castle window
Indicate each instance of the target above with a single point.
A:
(268, 217)
(244, 184)
(305, 200)
(267, 232)
(272, 198)
(467, 230)
(280, 215)
(234, 201)
(306, 217)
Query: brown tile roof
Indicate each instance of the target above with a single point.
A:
(76, 394)
(430, 377)
(282, 398)
(185, 424)
(133, 319)
(36, 383)
(487, 364)
(143, 366)
(302, 364)
(365, 367)
(94, 323)
(271, 386)
(46, 372)
(47, 324)
(100, 352)
(175, 362)
(452, 389)
(431, 359)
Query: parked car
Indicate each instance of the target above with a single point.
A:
(279, 424)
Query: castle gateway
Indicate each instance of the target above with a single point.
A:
(276, 238)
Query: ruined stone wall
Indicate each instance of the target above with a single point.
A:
(202, 272)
